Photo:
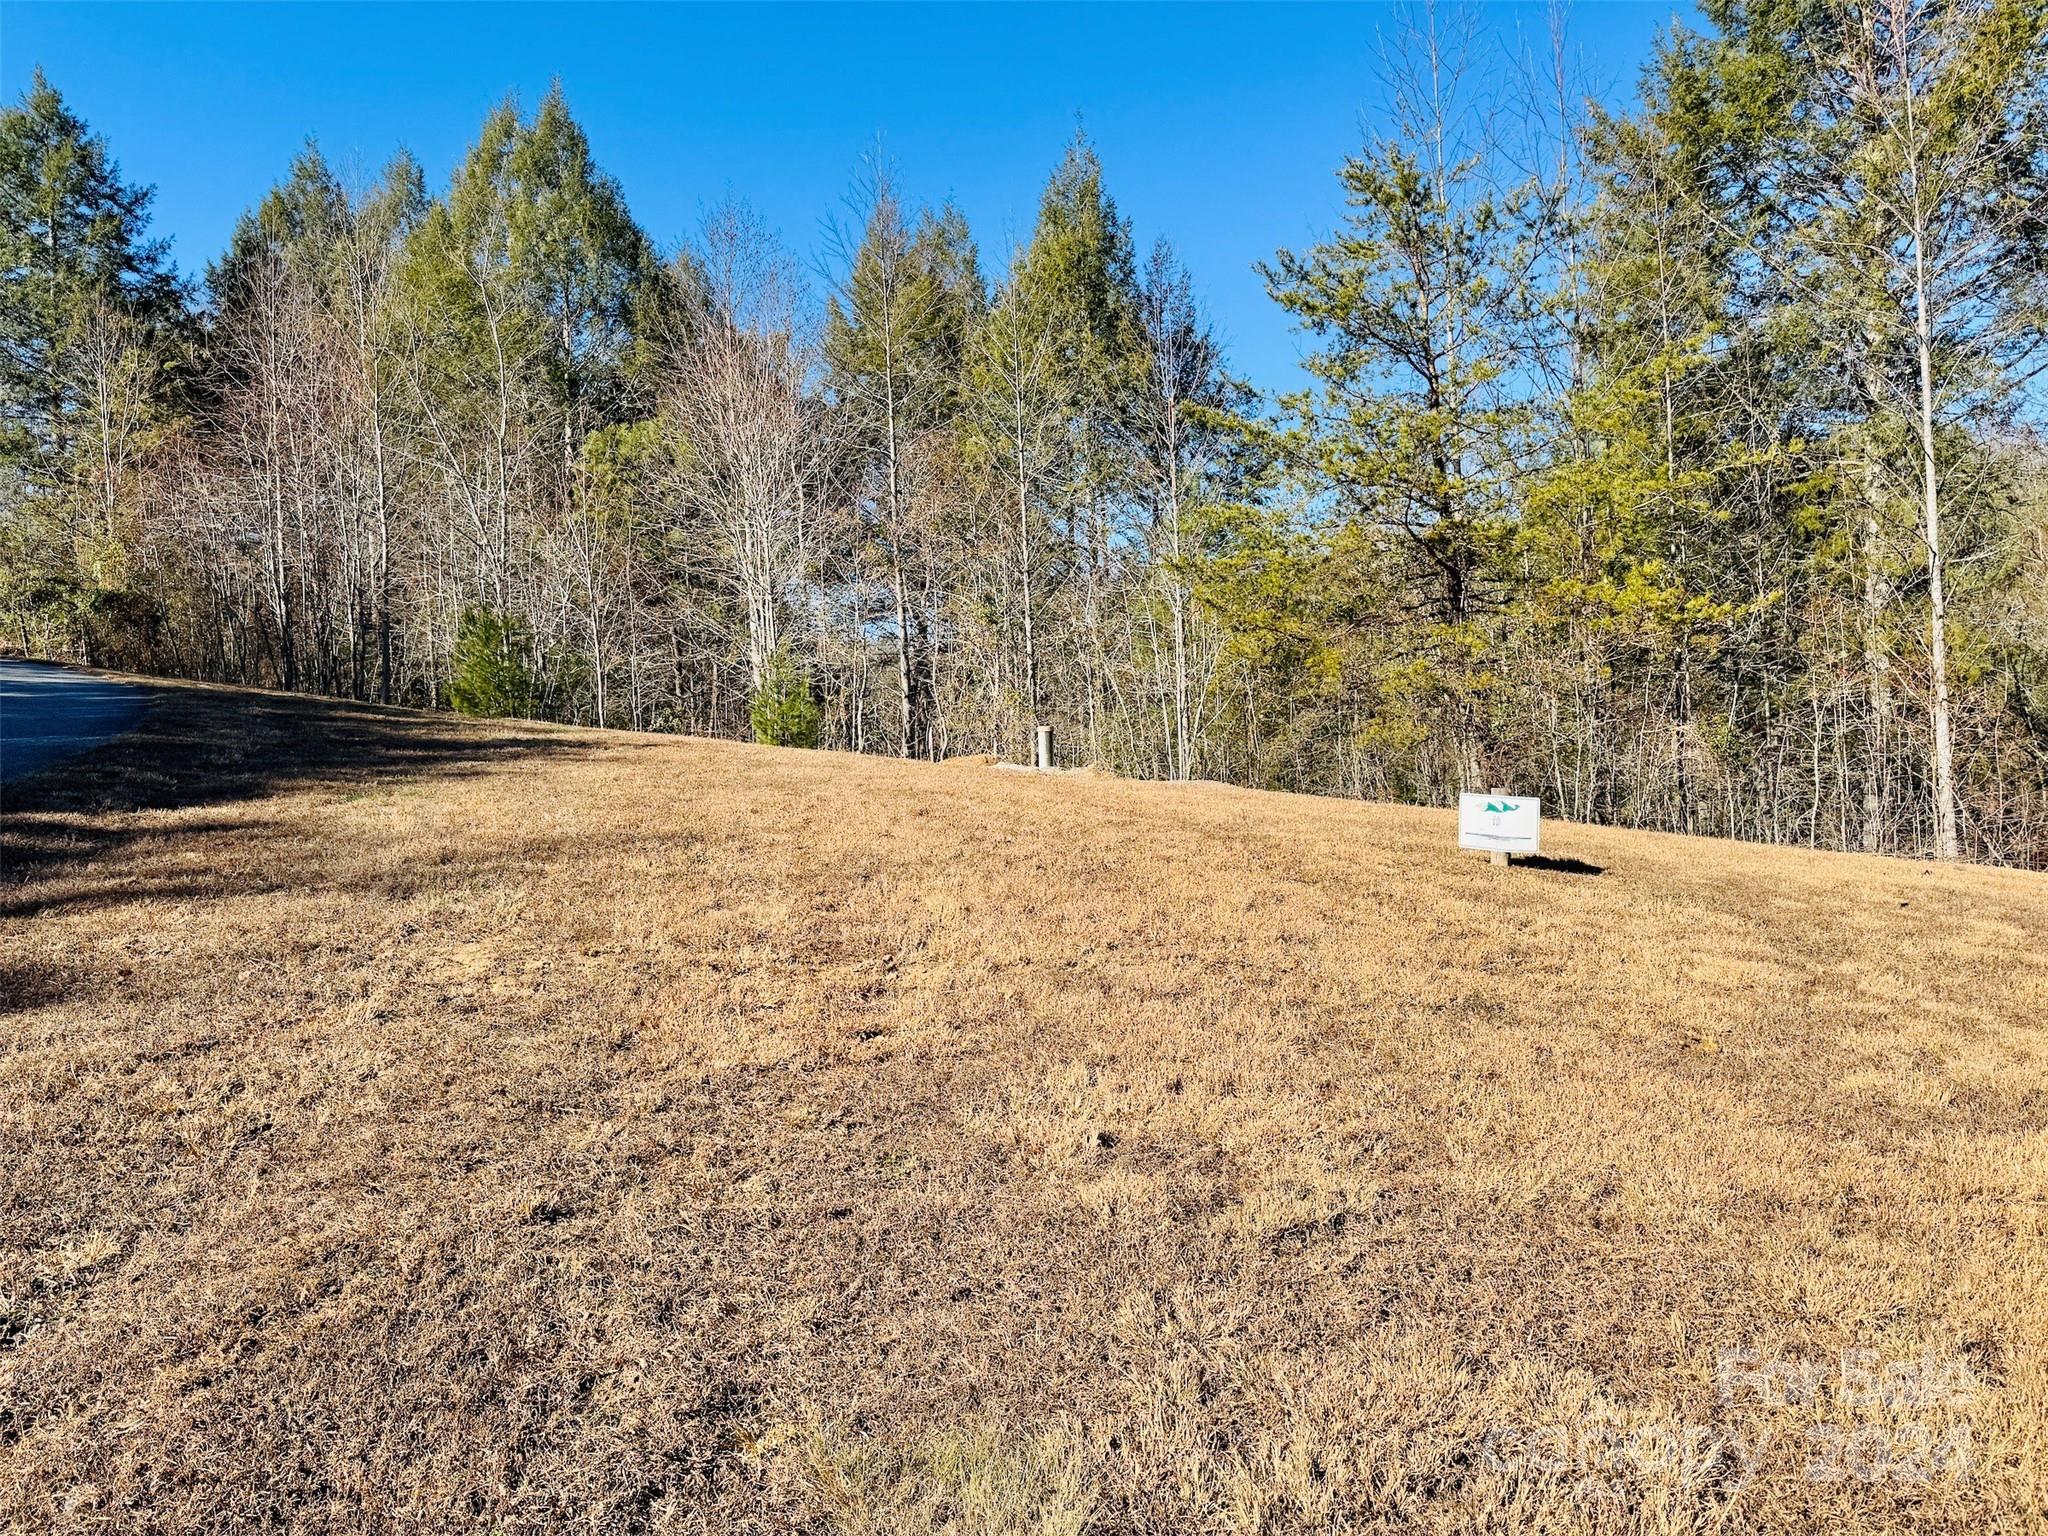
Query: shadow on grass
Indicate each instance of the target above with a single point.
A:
(1558, 866)
(201, 747)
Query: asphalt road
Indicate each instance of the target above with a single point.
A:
(50, 713)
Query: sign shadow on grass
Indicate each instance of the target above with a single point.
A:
(1558, 866)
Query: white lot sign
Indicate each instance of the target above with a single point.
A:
(1501, 823)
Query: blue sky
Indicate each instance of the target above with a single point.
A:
(1219, 126)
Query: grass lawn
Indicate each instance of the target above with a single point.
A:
(411, 1125)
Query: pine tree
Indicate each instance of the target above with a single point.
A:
(1412, 432)
(303, 221)
(1079, 278)
(1632, 543)
(785, 711)
(894, 344)
(73, 236)
(492, 665)
(534, 302)
(1052, 379)
(92, 322)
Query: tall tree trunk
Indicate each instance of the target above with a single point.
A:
(1876, 669)
(1947, 838)
(1024, 570)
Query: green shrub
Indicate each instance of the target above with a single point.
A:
(491, 671)
(784, 713)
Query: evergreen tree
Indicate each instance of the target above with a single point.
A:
(1414, 429)
(73, 238)
(581, 261)
(1642, 546)
(492, 665)
(304, 221)
(1052, 381)
(785, 711)
(1080, 274)
(894, 344)
(533, 301)
(91, 323)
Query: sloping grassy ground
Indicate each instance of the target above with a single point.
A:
(415, 1126)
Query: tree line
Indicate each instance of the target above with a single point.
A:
(1676, 462)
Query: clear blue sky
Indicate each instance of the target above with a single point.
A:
(1219, 126)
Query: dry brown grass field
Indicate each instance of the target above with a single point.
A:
(416, 1126)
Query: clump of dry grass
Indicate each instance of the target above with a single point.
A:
(414, 1126)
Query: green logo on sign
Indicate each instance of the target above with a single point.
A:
(1500, 810)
